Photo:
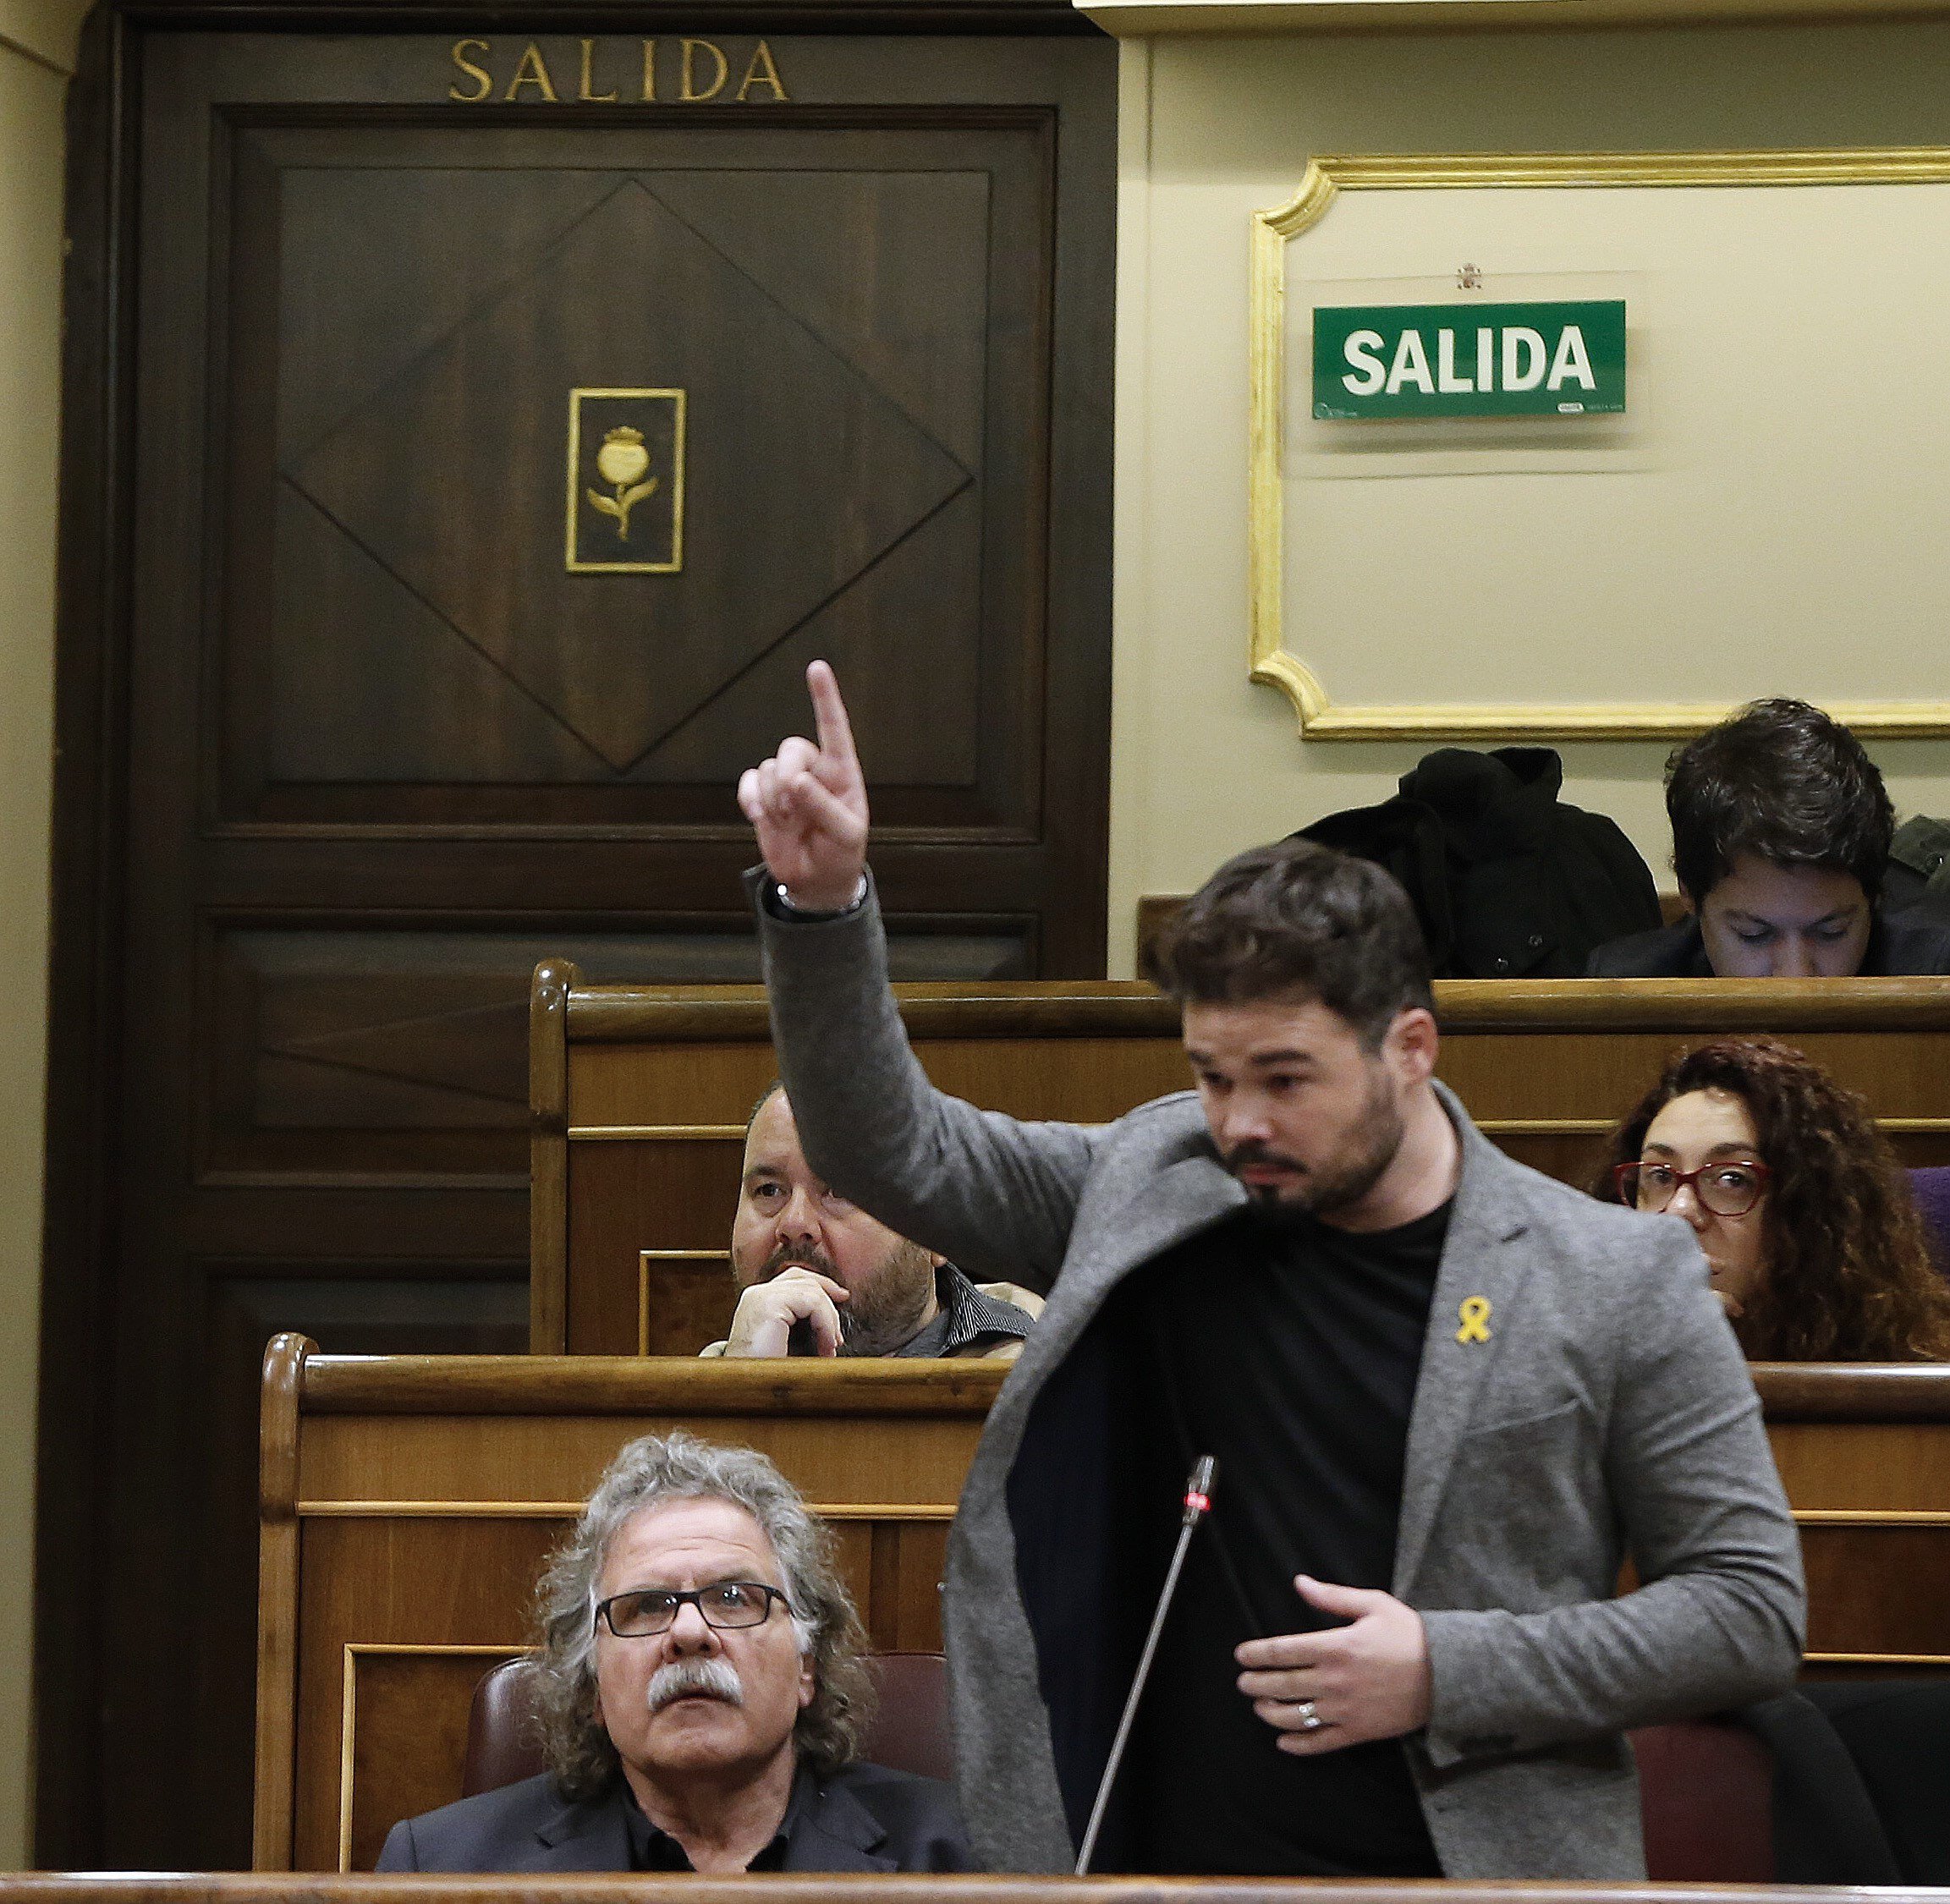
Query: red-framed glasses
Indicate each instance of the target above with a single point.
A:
(1727, 1189)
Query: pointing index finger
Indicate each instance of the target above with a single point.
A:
(829, 711)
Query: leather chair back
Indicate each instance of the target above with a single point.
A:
(501, 1746)
(910, 1732)
(1706, 1795)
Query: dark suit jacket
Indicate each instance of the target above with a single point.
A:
(864, 1819)
(1914, 940)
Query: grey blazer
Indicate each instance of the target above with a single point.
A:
(865, 1818)
(1609, 1414)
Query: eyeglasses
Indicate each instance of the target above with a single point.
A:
(1725, 1189)
(644, 1610)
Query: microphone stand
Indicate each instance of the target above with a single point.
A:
(1197, 1500)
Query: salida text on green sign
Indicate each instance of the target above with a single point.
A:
(1410, 361)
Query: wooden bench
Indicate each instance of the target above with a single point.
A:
(639, 1099)
(408, 1503)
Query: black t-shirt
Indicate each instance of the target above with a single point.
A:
(1290, 1350)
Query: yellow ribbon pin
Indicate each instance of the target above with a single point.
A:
(1474, 1316)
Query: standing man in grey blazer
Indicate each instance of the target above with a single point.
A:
(1448, 1397)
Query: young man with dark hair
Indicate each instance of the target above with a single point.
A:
(1781, 832)
(1447, 1396)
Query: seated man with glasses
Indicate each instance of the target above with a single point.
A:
(1809, 1233)
(702, 1697)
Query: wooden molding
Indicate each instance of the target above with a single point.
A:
(581, 1385)
(1274, 660)
(1937, 1660)
(284, 1363)
(1852, 1391)
(659, 1133)
(548, 1155)
(469, 1385)
(1702, 1005)
(1872, 1517)
(1122, 1007)
(355, 1651)
(1135, 18)
(1011, 1008)
(611, 16)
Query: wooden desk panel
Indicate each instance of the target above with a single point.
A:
(1550, 1099)
(1864, 1454)
(409, 1502)
(640, 1096)
(1877, 1468)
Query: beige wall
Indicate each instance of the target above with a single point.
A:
(1203, 762)
(36, 53)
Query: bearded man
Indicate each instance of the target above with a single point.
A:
(702, 1695)
(820, 1276)
(1448, 1395)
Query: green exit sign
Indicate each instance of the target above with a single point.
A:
(1397, 360)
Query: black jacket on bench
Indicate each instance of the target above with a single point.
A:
(1508, 881)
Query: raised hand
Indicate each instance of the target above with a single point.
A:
(808, 806)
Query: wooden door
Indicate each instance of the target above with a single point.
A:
(509, 416)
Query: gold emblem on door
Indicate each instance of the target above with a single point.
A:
(625, 482)
(623, 461)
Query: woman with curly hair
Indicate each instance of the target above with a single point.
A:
(1809, 1233)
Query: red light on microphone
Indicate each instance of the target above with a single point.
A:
(1198, 1492)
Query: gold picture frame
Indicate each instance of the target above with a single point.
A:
(650, 459)
(1277, 665)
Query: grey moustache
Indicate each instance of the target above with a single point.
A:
(686, 1679)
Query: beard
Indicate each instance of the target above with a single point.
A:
(1341, 1179)
(884, 1310)
(688, 1679)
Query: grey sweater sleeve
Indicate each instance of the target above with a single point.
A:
(994, 1194)
(1718, 1618)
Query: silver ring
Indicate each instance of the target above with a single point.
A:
(1310, 1719)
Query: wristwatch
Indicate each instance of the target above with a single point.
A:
(813, 913)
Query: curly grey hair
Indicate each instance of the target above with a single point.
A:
(681, 1466)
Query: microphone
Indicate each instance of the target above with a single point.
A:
(1197, 1504)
